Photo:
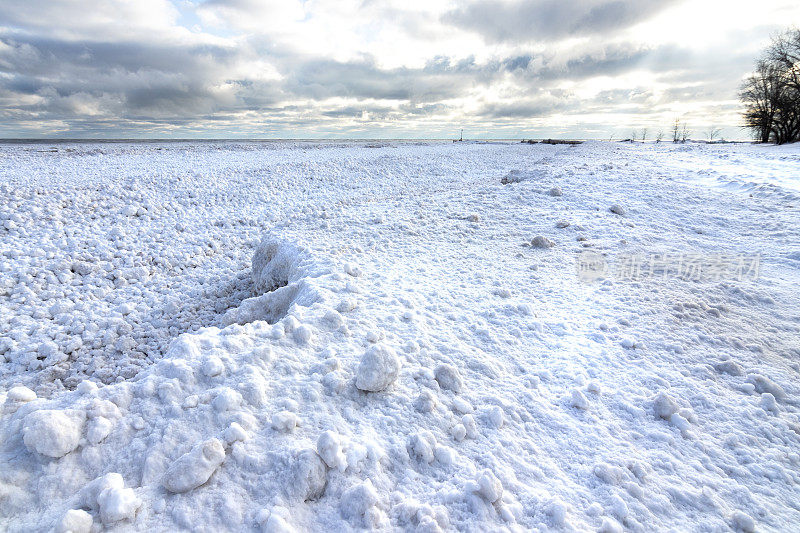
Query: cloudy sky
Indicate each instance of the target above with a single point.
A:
(377, 68)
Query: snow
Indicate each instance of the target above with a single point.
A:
(378, 368)
(195, 467)
(333, 336)
(75, 521)
(52, 432)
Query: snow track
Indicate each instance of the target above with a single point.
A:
(266, 336)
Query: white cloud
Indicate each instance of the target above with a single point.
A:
(369, 65)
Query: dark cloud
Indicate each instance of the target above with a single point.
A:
(142, 83)
(85, 77)
(539, 20)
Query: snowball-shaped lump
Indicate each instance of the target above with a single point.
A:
(664, 406)
(75, 521)
(52, 433)
(378, 369)
(276, 524)
(448, 378)
(330, 449)
(274, 261)
(310, 476)
(227, 400)
(90, 493)
(117, 504)
(489, 486)
(578, 400)
(422, 446)
(541, 241)
(358, 500)
(195, 467)
(21, 394)
(743, 522)
(284, 421)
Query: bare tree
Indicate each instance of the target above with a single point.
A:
(760, 94)
(771, 95)
(659, 136)
(644, 134)
(676, 130)
(713, 132)
(685, 133)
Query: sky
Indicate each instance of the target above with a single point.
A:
(378, 69)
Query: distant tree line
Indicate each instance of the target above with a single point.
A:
(771, 94)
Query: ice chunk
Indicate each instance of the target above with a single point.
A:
(98, 429)
(117, 503)
(557, 510)
(53, 433)
(664, 406)
(541, 241)
(310, 476)
(75, 521)
(470, 425)
(425, 402)
(330, 449)
(89, 494)
(213, 366)
(743, 522)
(21, 394)
(303, 334)
(378, 368)
(489, 486)
(277, 524)
(610, 525)
(578, 400)
(764, 384)
(422, 446)
(227, 400)
(195, 467)
(448, 378)
(235, 433)
(495, 417)
(358, 500)
(458, 432)
(284, 421)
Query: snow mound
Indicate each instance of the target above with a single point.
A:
(280, 276)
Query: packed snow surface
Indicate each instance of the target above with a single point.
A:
(396, 336)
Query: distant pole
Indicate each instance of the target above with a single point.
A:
(462, 135)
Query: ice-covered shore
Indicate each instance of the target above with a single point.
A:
(277, 337)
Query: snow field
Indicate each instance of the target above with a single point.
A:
(377, 343)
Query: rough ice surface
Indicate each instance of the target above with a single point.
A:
(336, 336)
